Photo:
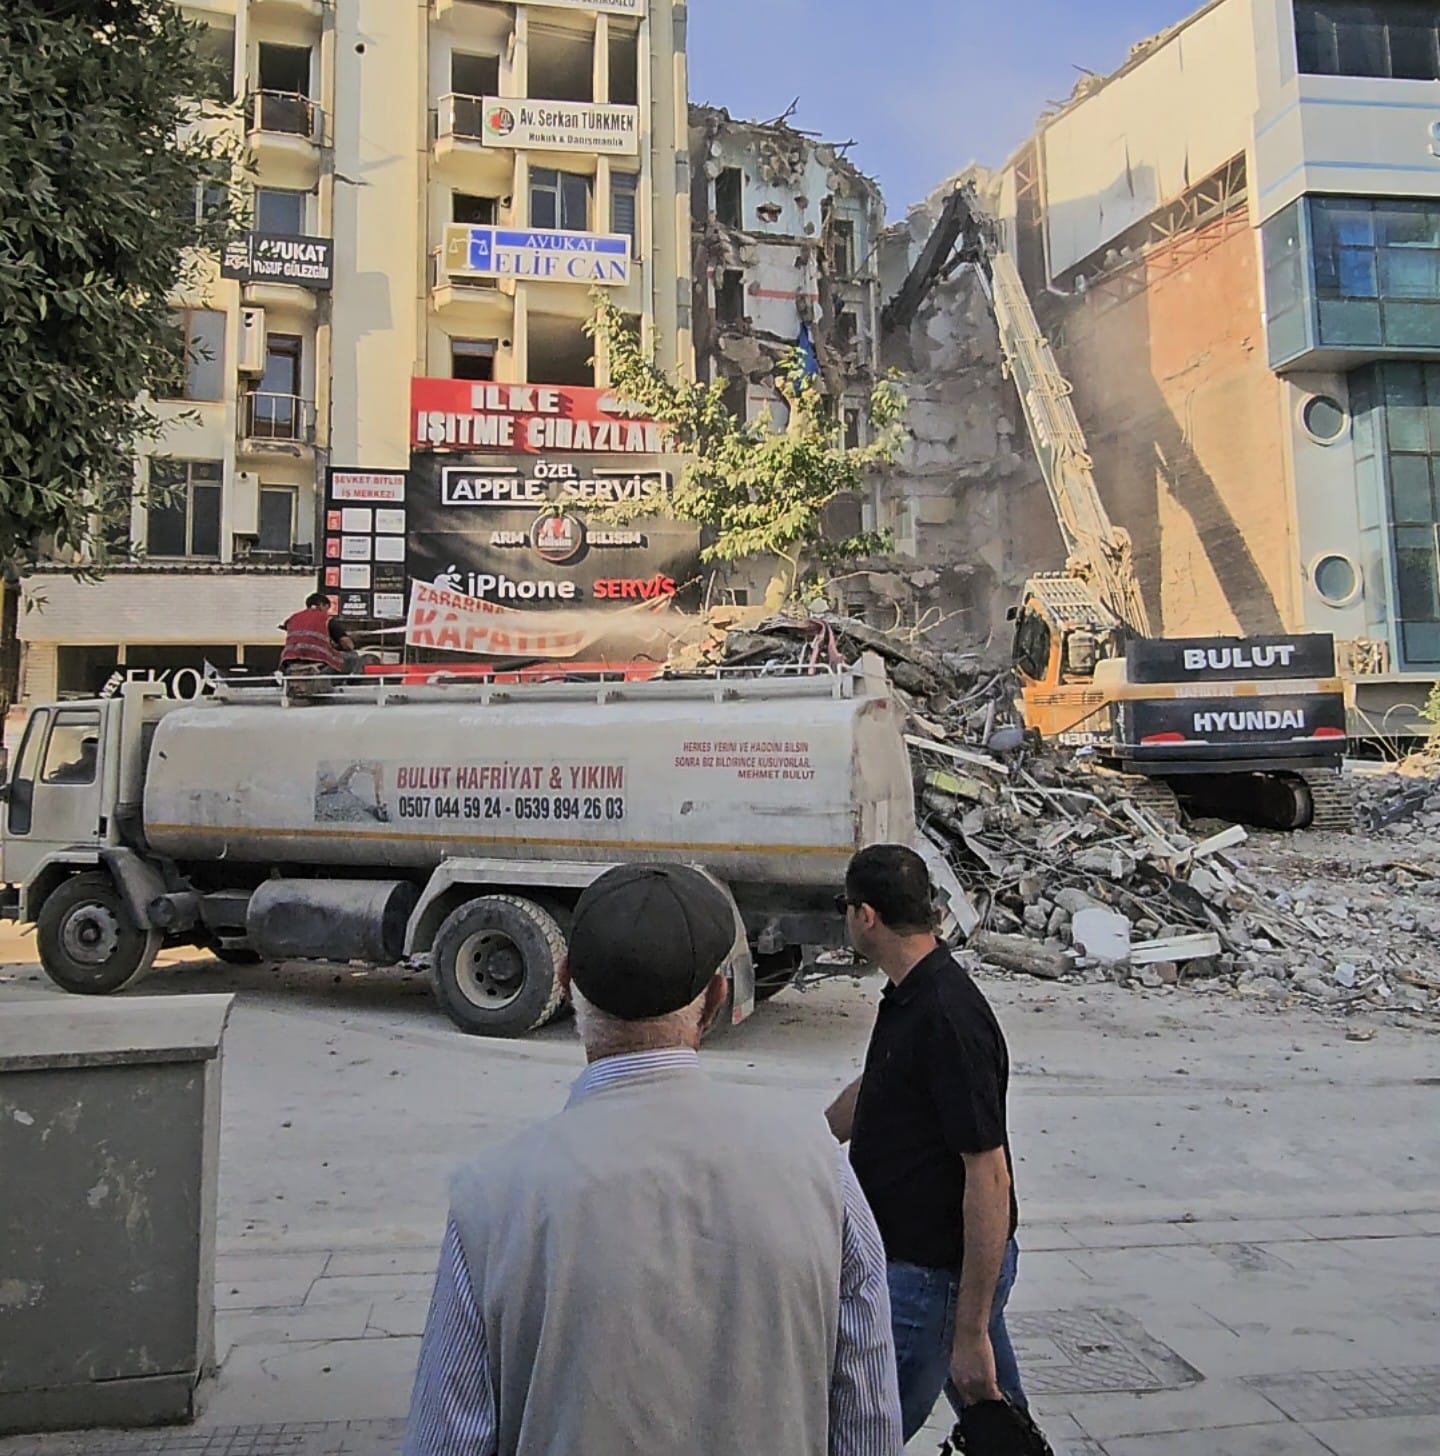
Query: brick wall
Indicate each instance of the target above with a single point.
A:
(1185, 423)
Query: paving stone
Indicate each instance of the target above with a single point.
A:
(1340, 1395)
(368, 1288)
(326, 1380)
(1267, 1440)
(308, 1438)
(1212, 1406)
(1363, 1226)
(269, 1327)
(262, 1293)
(1244, 1231)
(1129, 1235)
(246, 1268)
(418, 1261)
(1398, 1436)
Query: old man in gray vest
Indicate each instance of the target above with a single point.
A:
(671, 1266)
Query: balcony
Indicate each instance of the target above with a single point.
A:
(283, 127)
(480, 301)
(272, 424)
(460, 134)
(289, 9)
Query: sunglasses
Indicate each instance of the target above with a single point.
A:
(843, 905)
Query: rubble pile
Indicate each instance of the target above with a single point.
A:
(1059, 869)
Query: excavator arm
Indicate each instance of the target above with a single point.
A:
(1097, 550)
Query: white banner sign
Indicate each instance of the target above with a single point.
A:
(453, 622)
(611, 7)
(537, 253)
(560, 126)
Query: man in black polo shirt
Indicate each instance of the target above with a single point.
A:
(926, 1126)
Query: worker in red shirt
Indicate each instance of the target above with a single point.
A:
(312, 644)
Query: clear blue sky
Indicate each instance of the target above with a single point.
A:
(923, 86)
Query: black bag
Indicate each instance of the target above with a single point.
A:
(996, 1428)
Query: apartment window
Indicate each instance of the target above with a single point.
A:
(279, 210)
(275, 408)
(283, 79)
(472, 211)
(730, 197)
(203, 204)
(200, 368)
(1392, 39)
(730, 297)
(624, 197)
(472, 359)
(183, 508)
(473, 75)
(562, 63)
(853, 437)
(277, 518)
(560, 353)
(624, 65)
(216, 44)
(559, 200)
(842, 249)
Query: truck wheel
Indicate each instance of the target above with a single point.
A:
(495, 964)
(88, 942)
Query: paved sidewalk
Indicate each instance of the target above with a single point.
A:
(1231, 1217)
(1246, 1338)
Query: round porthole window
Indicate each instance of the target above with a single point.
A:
(1337, 579)
(1324, 419)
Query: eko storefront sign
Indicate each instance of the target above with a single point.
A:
(274, 258)
(537, 255)
(456, 414)
(560, 126)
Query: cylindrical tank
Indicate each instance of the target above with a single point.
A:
(331, 920)
(763, 783)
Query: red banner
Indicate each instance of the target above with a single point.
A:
(460, 414)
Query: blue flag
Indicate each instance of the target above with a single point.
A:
(806, 345)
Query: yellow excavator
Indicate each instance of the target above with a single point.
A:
(1250, 729)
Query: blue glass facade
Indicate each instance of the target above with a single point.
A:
(1352, 274)
(1397, 436)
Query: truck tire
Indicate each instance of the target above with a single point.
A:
(495, 966)
(88, 942)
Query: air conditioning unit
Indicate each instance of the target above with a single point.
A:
(245, 504)
(252, 341)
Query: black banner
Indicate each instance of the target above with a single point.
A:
(364, 543)
(521, 530)
(273, 258)
(1284, 721)
(1230, 659)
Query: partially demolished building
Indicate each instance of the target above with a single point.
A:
(785, 233)
(1234, 244)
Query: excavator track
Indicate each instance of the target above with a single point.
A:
(1154, 796)
(1334, 797)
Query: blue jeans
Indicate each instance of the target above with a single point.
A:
(922, 1311)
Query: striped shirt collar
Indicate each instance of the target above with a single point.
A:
(609, 1071)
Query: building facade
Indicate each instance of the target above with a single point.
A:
(1235, 242)
(437, 189)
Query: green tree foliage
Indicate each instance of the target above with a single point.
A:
(104, 159)
(758, 491)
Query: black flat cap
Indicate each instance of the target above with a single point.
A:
(647, 939)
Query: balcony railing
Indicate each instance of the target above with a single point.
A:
(461, 117)
(282, 417)
(285, 113)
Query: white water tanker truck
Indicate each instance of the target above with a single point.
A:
(456, 823)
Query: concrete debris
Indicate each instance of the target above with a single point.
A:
(1072, 873)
